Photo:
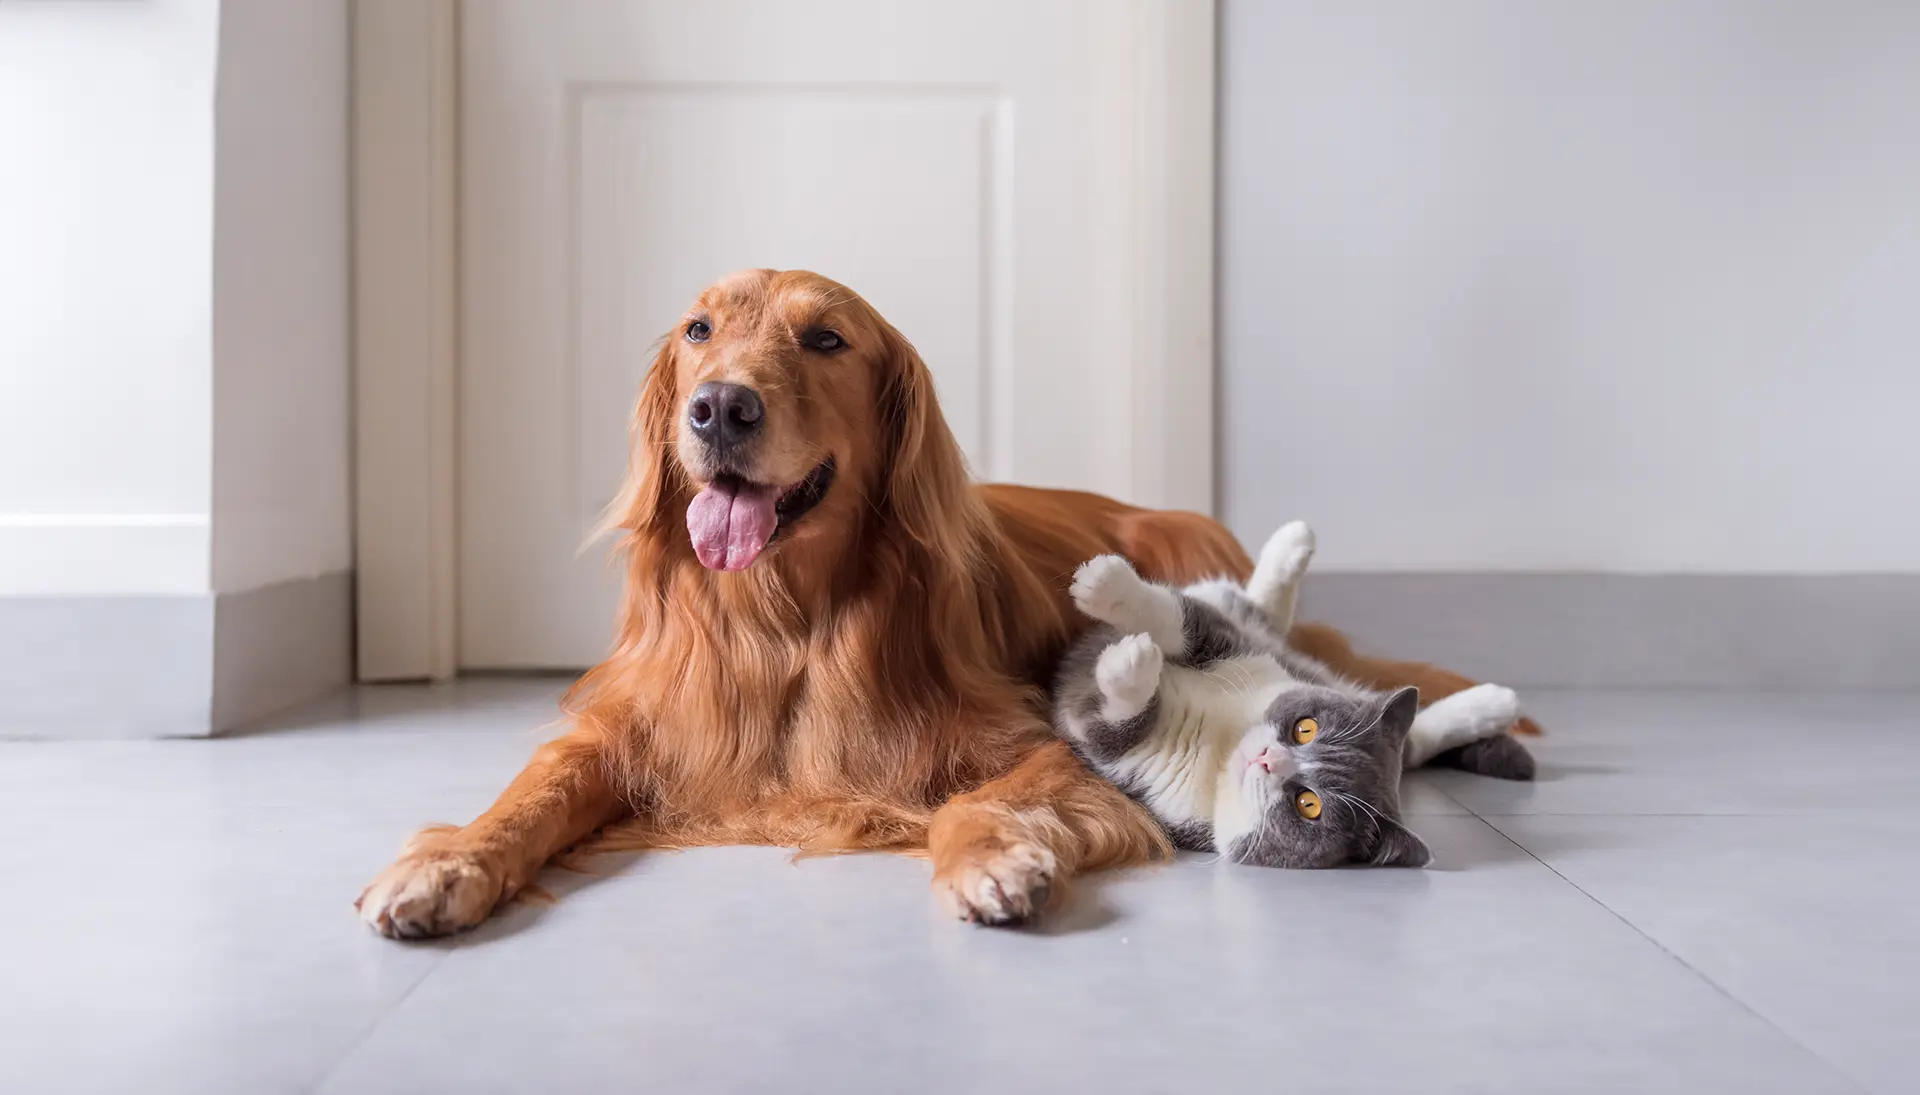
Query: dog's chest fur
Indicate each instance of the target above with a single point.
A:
(806, 719)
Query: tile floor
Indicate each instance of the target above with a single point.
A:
(1703, 893)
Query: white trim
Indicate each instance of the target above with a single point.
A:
(104, 520)
(406, 60)
(87, 554)
(1173, 367)
(406, 264)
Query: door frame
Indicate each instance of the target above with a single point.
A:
(406, 195)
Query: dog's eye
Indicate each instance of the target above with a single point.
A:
(699, 331)
(824, 342)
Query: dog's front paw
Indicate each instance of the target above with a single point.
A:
(1106, 588)
(997, 884)
(1128, 674)
(1288, 551)
(434, 888)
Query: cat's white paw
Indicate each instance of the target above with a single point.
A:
(1107, 588)
(1288, 551)
(1490, 708)
(1128, 674)
(1474, 714)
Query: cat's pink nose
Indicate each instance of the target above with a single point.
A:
(1264, 760)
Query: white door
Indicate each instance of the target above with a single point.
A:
(1013, 183)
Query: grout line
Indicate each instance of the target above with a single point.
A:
(1716, 986)
(1835, 813)
(374, 1024)
(1824, 812)
(1448, 795)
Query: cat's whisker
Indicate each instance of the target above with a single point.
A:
(1379, 819)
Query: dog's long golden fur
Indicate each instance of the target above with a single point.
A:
(873, 681)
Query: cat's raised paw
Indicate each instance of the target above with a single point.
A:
(1288, 551)
(1105, 588)
(1128, 674)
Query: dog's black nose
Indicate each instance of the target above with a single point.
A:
(724, 414)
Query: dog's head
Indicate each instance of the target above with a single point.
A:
(782, 408)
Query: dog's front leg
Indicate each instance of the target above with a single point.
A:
(1000, 849)
(448, 879)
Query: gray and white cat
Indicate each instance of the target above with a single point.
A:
(1191, 701)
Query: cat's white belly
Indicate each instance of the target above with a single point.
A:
(1200, 723)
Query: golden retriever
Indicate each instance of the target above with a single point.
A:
(831, 638)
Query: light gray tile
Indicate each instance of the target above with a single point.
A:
(187, 927)
(1420, 795)
(192, 955)
(731, 970)
(1808, 920)
(410, 754)
(1710, 753)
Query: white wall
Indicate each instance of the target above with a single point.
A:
(1509, 284)
(174, 323)
(106, 214)
(281, 500)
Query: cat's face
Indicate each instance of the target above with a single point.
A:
(1317, 784)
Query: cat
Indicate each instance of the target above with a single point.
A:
(1191, 702)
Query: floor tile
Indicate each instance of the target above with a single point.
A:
(733, 970)
(1421, 795)
(192, 955)
(408, 754)
(1710, 753)
(178, 919)
(1810, 921)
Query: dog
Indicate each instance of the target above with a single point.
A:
(831, 638)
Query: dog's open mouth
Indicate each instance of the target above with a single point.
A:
(731, 520)
(806, 494)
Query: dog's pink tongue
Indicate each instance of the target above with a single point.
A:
(731, 524)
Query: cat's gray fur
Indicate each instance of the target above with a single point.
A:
(1187, 700)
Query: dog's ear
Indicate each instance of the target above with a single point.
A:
(654, 476)
(923, 473)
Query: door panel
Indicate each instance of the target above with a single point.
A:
(969, 169)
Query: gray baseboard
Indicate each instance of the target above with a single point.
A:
(170, 666)
(1640, 631)
(105, 667)
(280, 645)
(173, 666)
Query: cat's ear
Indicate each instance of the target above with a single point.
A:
(1397, 846)
(1396, 714)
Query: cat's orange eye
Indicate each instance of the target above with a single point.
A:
(1305, 731)
(1307, 804)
